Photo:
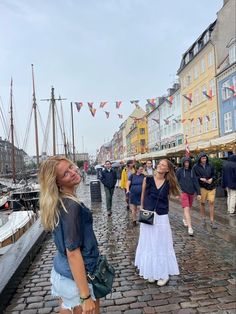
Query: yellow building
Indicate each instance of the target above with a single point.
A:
(198, 90)
(137, 138)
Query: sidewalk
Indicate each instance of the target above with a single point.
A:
(206, 283)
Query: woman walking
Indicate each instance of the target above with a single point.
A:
(134, 190)
(71, 224)
(155, 255)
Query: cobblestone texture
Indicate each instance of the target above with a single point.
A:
(206, 283)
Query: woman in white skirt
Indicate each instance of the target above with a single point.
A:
(155, 255)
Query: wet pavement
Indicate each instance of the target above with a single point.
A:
(206, 283)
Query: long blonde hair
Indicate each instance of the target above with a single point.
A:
(171, 178)
(50, 194)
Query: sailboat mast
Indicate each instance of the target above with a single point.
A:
(63, 129)
(73, 137)
(35, 119)
(53, 102)
(12, 136)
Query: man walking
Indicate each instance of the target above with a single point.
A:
(108, 178)
(229, 182)
(205, 173)
(149, 170)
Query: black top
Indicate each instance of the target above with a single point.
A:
(156, 199)
(75, 230)
(109, 178)
(188, 181)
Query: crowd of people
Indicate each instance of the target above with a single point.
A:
(146, 187)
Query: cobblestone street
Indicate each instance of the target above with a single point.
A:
(206, 283)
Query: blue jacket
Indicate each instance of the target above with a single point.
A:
(187, 178)
(109, 178)
(208, 172)
(229, 173)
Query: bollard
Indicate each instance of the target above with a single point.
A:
(95, 191)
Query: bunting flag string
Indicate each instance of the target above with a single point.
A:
(166, 121)
(188, 97)
(183, 120)
(187, 150)
(208, 118)
(170, 100)
(93, 111)
(208, 95)
(151, 101)
(78, 105)
(107, 114)
(191, 119)
(135, 102)
(118, 104)
(120, 116)
(156, 120)
(200, 120)
(103, 104)
(230, 88)
(90, 105)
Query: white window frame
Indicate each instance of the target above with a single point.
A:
(212, 85)
(196, 74)
(198, 127)
(234, 82)
(203, 65)
(232, 53)
(205, 124)
(204, 89)
(225, 92)
(228, 122)
(192, 128)
(213, 120)
(210, 59)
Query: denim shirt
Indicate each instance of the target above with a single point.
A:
(74, 230)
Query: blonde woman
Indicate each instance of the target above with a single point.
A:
(71, 224)
(155, 255)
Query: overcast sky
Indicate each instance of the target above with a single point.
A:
(92, 51)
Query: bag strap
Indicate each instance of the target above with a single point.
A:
(159, 193)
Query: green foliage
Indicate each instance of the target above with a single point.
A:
(80, 163)
(218, 165)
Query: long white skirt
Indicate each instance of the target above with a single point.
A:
(155, 255)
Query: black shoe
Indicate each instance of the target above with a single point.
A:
(109, 213)
(134, 223)
(127, 207)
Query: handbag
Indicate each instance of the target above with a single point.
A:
(102, 278)
(148, 216)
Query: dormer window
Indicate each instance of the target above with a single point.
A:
(232, 53)
(186, 58)
(195, 49)
(206, 38)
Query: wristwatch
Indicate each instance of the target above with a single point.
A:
(83, 299)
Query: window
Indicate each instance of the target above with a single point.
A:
(232, 53)
(212, 87)
(210, 59)
(185, 104)
(228, 122)
(206, 124)
(226, 93)
(196, 72)
(192, 127)
(142, 142)
(189, 79)
(198, 127)
(234, 83)
(142, 131)
(213, 120)
(186, 59)
(196, 97)
(203, 66)
(195, 49)
(206, 38)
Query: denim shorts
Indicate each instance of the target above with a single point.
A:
(66, 289)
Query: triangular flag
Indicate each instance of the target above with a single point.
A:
(107, 114)
(118, 104)
(156, 120)
(200, 120)
(120, 116)
(208, 95)
(90, 104)
(103, 104)
(78, 105)
(93, 111)
(151, 101)
(188, 97)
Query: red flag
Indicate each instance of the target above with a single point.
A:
(188, 97)
(103, 104)
(78, 105)
(187, 151)
(151, 101)
(208, 95)
(120, 116)
(118, 104)
(183, 120)
(107, 114)
(90, 104)
(93, 111)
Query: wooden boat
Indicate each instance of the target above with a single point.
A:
(15, 226)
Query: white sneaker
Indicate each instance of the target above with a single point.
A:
(185, 223)
(190, 231)
(151, 280)
(162, 282)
